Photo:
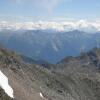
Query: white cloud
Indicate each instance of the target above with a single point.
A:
(82, 25)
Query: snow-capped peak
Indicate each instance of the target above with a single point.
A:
(82, 25)
(5, 85)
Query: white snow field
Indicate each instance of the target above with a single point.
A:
(5, 85)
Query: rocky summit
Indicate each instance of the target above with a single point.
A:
(73, 78)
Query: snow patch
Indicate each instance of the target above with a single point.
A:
(5, 85)
(41, 95)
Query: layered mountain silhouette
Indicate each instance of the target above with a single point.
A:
(73, 78)
(50, 46)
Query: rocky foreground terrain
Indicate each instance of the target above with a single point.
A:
(73, 78)
(3, 95)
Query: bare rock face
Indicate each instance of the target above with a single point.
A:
(74, 78)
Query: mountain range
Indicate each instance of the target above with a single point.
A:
(47, 45)
(48, 63)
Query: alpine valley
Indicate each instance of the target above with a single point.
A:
(48, 63)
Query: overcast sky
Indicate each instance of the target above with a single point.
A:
(33, 10)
